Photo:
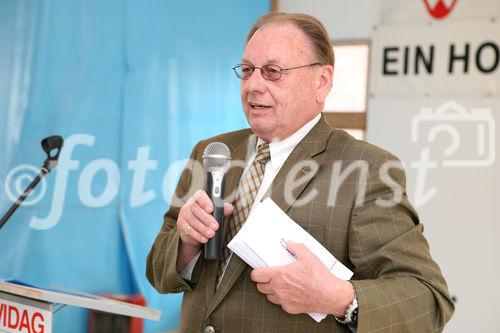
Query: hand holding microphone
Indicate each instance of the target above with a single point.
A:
(201, 219)
(195, 223)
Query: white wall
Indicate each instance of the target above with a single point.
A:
(460, 220)
(352, 19)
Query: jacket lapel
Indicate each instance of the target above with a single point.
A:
(312, 144)
(233, 270)
(300, 167)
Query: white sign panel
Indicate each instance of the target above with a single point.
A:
(397, 11)
(453, 60)
(19, 318)
(453, 180)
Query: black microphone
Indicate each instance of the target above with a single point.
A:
(216, 160)
(52, 147)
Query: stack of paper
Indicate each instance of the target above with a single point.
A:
(261, 242)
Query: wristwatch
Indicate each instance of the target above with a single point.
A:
(351, 313)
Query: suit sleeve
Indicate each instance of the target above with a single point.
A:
(400, 287)
(162, 258)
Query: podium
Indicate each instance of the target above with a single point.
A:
(29, 309)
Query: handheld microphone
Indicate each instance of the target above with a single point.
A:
(216, 160)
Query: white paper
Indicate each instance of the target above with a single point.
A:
(260, 242)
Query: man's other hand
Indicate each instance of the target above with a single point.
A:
(305, 285)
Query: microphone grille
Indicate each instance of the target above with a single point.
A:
(216, 157)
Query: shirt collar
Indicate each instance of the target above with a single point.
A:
(280, 150)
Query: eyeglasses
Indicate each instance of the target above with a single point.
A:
(269, 72)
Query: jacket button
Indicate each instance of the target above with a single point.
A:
(209, 329)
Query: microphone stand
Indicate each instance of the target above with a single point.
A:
(48, 144)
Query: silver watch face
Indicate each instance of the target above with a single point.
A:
(354, 316)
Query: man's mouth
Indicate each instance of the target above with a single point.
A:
(257, 106)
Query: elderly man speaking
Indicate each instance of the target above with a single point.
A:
(286, 73)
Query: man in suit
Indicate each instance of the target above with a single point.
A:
(346, 193)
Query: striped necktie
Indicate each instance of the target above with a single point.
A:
(245, 196)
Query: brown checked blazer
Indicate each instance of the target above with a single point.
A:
(399, 286)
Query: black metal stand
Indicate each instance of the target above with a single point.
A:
(48, 144)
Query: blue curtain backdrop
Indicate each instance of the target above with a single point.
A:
(131, 85)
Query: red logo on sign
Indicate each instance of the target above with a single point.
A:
(439, 9)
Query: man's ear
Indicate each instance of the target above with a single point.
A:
(324, 83)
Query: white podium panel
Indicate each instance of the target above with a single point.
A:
(20, 314)
(29, 309)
